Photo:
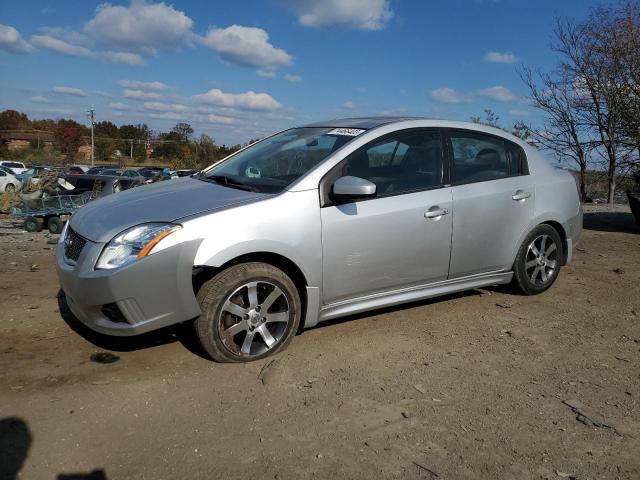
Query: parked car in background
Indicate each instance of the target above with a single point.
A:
(134, 175)
(185, 173)
(74, 170)
(96, 170)
(17, 167)
(8, 182)
(7, 170)
(112, 172)
(319, 222)
(104, 184)
(152, 174)
(33, 174)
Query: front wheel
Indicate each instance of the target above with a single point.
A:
(538, 261)
(249, 311)
(9, 188)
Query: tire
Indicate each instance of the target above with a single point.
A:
(9, 188)
(55, 225)
(32, 224)
(534, 271)
(249, 311)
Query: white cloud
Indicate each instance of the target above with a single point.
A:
(125, 58)
(118, 106)
(349, 14)
(249, 100)
(142, 85)
(140, 94)
(348, 105)
(69, 91)
(64, 47)
(160, 106)
(141, 26)
(293, 78)
(500, 57)
(498, 93)
(39, 99)
(519, 113)
(11, 40)
(184, 117)
(266, 73)
(448, 95)
(246, 46)
(60, 46)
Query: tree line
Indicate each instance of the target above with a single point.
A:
(122, 144)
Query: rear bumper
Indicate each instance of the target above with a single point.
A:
(573, 229)
(149, 294)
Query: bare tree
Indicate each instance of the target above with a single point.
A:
(562, 133)
(594, 57)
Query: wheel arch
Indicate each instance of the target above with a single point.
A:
(203, 273)
(557, 226)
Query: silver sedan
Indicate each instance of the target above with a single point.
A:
(318, 222)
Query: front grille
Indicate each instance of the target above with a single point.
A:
(73, 245)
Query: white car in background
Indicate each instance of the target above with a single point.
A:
(8, 182)
(17, 167)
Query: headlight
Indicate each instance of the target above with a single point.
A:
(134, 244)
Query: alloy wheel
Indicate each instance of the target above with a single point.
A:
(254, 318)
(541, 260)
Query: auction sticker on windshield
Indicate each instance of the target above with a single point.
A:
(350, 132)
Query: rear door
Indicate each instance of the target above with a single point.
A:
(493, 200)
(401, 237)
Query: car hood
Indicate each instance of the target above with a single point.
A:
(168, 201)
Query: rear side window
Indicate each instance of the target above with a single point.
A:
(479, 158)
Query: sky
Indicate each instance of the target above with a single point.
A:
(244, 69)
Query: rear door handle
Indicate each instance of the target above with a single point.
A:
(436, 212)
(520, 195)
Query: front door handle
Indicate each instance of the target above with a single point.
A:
(436, 212)
(520, 195)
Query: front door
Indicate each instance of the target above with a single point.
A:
(401, 237)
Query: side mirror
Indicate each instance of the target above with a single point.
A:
(349, 187)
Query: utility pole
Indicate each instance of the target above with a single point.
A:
(131, 154)
(91, 113)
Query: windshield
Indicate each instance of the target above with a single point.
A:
(269, 166)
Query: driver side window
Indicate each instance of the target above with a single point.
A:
(401, 163)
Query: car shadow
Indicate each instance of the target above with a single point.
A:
(182, 333)
(611, 222)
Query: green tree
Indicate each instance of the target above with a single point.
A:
(13, 120)
(184, 130)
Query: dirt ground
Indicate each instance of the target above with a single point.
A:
(465, 386)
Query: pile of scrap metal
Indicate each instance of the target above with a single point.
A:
(50, 200)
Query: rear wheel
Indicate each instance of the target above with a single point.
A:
(249, 312)
(9, 188)
(55, 225)
(32, 224)
(538, 261)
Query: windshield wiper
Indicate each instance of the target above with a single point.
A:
(230, 182)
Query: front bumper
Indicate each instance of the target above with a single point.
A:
(146, 295)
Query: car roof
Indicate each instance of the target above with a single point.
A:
(366, 123)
